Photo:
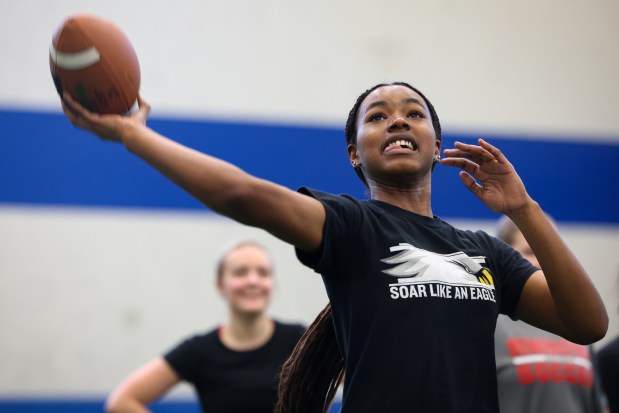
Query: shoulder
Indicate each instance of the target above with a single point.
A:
(205, 336)
(475, 240)
(197, 341)
(345, 215)
(289, 329)
(492, 246)
(333, 200)
(483, 238)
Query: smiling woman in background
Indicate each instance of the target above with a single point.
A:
(233, 368)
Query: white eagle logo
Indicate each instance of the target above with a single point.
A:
(412, 264)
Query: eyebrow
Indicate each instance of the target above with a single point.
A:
(383, 103)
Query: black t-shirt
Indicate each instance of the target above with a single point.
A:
(415, 303)
(608, 364)
(229, 381)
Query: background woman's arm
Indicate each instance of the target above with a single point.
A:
(143, 387)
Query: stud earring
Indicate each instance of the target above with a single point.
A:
(355, 164)
(437, 158)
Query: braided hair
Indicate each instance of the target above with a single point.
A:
(312, 374)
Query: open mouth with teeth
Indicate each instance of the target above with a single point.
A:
(401, 144)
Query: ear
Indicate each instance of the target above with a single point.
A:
(437, 150)
(353, 156)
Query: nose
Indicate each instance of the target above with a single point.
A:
(253, 277)
(398, 122)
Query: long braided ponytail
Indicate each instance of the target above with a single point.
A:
(312, 374)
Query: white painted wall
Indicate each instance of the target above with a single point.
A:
(515, 66)
(87, 295)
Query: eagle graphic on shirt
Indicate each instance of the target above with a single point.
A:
(410, 264)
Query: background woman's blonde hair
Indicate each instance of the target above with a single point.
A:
(234, 245)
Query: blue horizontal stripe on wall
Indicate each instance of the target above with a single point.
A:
(35, 405)
(97, 406)
(44, 160)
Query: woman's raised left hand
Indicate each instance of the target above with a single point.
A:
(489, 175)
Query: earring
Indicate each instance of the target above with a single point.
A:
(437, 158)
(355, 164)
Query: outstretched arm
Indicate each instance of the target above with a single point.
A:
(561, 299)
(290, 216)
(143, 387)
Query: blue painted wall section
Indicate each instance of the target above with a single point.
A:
(97, 406)
(46, 161)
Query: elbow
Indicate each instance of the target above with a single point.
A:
(111, 408)
(596, 330)
(600, 330)
(114, 404)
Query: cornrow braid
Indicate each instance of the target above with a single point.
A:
(351, 122)
(312, 374)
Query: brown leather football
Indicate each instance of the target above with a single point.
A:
(93, 60)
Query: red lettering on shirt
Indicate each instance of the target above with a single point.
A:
(550, 360)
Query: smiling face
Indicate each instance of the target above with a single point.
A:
(246, 279)
(396, 139)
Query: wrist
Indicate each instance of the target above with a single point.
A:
(530, 209)
(130, 133)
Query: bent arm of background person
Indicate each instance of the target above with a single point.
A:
(144, 386)
(561, 298)
(225, 188)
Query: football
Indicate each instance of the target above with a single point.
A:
(93, 60)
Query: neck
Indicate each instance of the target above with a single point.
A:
(413, 198)
(247, 331)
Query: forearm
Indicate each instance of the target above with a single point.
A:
(126, 405)
(144, 386)
(212, 181)
(576, 300)
(230, 191)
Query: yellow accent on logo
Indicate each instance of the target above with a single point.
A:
(486, 278)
